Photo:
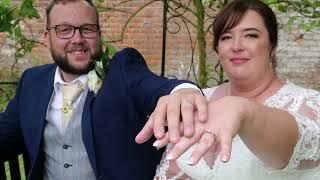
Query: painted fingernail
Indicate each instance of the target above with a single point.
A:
(156, 144)
(224, 158)
(191, 161)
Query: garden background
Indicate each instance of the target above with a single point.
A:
(139, 24)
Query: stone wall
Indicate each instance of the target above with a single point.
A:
(298, 53)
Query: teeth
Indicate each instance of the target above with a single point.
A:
(78, 52)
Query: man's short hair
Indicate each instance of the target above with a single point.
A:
(55, 2)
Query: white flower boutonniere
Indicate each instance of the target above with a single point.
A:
(97, 75)
(94, 82)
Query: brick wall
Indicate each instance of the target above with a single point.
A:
(298, 55)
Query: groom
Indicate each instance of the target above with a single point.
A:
(68, 131)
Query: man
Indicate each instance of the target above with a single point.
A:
(92, 137)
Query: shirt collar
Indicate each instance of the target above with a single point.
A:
(58, 80)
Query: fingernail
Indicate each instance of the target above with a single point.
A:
(169, 157)
(156, 144)
(188, 130)
(224, 158)
(191, 161)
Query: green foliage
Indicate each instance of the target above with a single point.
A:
(7, 91)
(306, 13)
(27, 10)
(11, 18)
(105, 60)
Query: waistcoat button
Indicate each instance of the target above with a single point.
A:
(66, 165)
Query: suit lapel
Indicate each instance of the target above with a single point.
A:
(87, 134)
(39, 108)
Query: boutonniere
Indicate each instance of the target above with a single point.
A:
(97, 75)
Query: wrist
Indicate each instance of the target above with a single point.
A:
(250, 109)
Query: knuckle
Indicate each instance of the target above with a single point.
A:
(186, 105)
(206, 141)
(163, 99)
(172, 111)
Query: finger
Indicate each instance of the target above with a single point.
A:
(201, 104)
(184, 144)
(160, 143)
(225, 142)
(205, 144)
(211, 156)
(173, 119)
(187, 111)
(178, 149)
(146, 132)
(159, 118)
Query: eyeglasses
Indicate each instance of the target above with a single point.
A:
(66, 31)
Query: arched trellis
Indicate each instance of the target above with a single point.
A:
(181, 10)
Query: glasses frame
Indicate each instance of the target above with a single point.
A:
(74, 30)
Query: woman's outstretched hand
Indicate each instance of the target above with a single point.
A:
(226, 118)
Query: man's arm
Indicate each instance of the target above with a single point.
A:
(152, 92)
(11, 141)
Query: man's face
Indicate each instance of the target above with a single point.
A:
(74, 55)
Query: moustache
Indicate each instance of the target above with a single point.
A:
(77, 48)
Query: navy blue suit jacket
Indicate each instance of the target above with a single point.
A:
(110, 120)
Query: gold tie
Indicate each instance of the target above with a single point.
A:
(70, 93)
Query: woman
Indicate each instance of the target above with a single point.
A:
(272, 124)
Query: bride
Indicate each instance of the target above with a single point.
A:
(272, 124)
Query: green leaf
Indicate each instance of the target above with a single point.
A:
(291, 20)
(297, 3)
(316, 4)
(314, 23)
(5, 3)
(306, 11)
(27, 10)
(305, 27)
(270, 1)
(306, 3)
(281, 7)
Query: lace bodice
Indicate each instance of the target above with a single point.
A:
(303, 104)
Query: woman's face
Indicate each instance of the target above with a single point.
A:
(245, 50)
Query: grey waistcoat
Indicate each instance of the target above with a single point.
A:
(65, 155)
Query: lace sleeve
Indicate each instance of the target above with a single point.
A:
(169, 170)
(304, 105)
(306, 153)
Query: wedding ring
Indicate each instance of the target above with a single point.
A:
(211, 132)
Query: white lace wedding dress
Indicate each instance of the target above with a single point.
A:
(303, 104)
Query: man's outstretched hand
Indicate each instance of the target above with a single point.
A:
(177, 111)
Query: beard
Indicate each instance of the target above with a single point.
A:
(64, 63)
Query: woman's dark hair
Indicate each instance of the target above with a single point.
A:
(232, 13)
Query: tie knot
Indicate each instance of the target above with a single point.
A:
(71, 91)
